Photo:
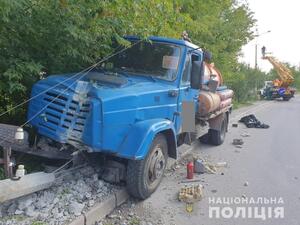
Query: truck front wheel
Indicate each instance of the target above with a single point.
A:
(144, 176)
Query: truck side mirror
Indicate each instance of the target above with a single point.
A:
(196, 74)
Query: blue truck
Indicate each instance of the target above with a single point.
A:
(137, 107)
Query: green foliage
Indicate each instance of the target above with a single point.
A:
(245, 81)
(60, 36)
(296, 73)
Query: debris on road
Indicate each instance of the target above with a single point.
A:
(245, 135)
(234, 125)
(191, 194)
(221, 164)
(237, 142)
(190, 181)
(190, 170)
(246, 184)
(201, 166)
(252, 122)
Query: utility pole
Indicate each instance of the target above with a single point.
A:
(256, 46)
(255, 63)
(255, 60)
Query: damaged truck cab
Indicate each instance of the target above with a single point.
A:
(139, 105)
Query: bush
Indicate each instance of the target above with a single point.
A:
(245, 82)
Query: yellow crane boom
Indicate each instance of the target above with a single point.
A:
(282, 70)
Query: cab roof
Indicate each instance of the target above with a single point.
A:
(167, 40)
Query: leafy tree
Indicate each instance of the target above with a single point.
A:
(59, 36)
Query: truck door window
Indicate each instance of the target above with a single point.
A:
(187, 70)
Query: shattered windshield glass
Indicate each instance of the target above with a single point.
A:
(151, 59)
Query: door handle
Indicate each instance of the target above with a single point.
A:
(173, 93)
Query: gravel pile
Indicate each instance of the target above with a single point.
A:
(60, 204)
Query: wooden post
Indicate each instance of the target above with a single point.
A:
(6, 162)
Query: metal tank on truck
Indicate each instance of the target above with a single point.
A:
(135, 108)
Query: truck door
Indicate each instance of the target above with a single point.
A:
(188, 97)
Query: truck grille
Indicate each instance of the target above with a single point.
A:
(65, 115)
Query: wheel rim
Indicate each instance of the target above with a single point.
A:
(156, 167)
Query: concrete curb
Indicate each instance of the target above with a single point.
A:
(102, 209)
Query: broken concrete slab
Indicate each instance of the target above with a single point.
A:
(11, 189)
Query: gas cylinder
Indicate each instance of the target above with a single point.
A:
(208, 102)
(190, 170)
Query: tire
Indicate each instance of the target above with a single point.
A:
(286, 98)
(217, 137)
(144, 176)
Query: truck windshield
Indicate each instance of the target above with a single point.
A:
(153, 59)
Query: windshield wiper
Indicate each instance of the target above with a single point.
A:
(147, 76)
(113, 72)
(139, 72)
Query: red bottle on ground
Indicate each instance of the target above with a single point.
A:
(190, 170)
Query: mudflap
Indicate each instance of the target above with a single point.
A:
(216, 122)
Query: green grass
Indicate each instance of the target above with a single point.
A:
(134, 221)
(237, 105)
(38, 223)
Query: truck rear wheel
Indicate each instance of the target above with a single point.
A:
(144, 176)
(286, 98)
(217, 137)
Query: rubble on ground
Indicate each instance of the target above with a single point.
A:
(203, 166)
(67, 199)
(245, 135)
(237, 142)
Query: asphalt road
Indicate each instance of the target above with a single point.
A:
(269, 161)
